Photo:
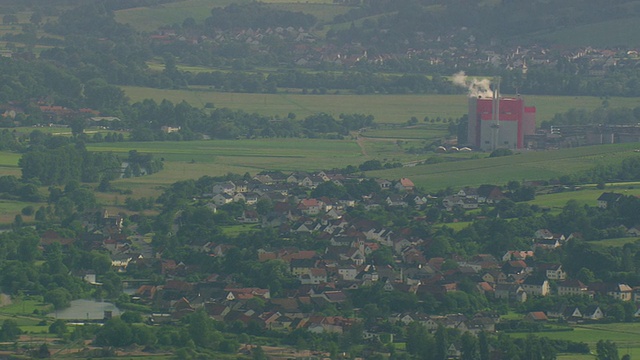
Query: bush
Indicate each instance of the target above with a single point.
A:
(501, 152)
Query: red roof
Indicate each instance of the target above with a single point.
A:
(406, 182)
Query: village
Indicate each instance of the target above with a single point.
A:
(327, 276)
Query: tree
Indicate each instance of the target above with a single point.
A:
(58, 327)
(131, 317)
(442, 346)
(60, 298)
(607, 350)
(469, 347)
(257, 353)
(201, 330)
(10, 330)
(100, 262)
(585, 275)
(115, 332)
(483, 346)
(43, 352)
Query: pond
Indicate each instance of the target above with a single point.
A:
(85, 310)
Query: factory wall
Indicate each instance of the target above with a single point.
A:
(516, 121)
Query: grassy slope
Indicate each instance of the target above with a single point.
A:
(602, 34)
(151, 18)
(385, 108)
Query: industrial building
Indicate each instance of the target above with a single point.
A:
(499, 122)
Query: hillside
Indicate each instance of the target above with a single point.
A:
(387, 24)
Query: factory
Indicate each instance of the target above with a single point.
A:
(499, 122)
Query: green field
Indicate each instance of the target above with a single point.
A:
(587, 195)
(619, 32)
(618, 242)
(625, 335)
(151, 18)
(423, 132)
(538, 165)
(8, 161)
(193, 159)
(190, 160)
(385, 108)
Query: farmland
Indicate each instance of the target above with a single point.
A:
(542, 165)
(619, 32)
(190, 160)
(151, 18)
(586, 195)
(625, 335)
(385, 108)
(194, 159)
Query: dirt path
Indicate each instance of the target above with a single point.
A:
(360, 142)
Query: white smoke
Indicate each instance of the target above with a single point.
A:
(476, 87)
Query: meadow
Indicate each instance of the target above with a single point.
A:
(394, 109)
(526, 165)
(191, 160)
(586, 195)
(624, 334)
(151, 18)
(621, 32)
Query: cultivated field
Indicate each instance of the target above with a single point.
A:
(385, 108)
(151, 18)
(625, 335)
(621, 32)
(539, 165)
(191, 160)
(9, 164)
(586, 195)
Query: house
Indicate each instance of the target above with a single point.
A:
(310, 206)
(491, 193)
(543, 234)
(568, 313)
(536, 287)
(513, 292)
(547, 244)
(608, 199)
(405, 184)
(634, 231)
(226, 187)
(246, 293)
(573, 287)
(494, 276)
(348, 272)
(618, 291)
(517, 255)
(593, 312)
(249, 217)
(222, 199)
(536, 316)
(384, 184)
(314, 277)
(553, 271)
(396, 200)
